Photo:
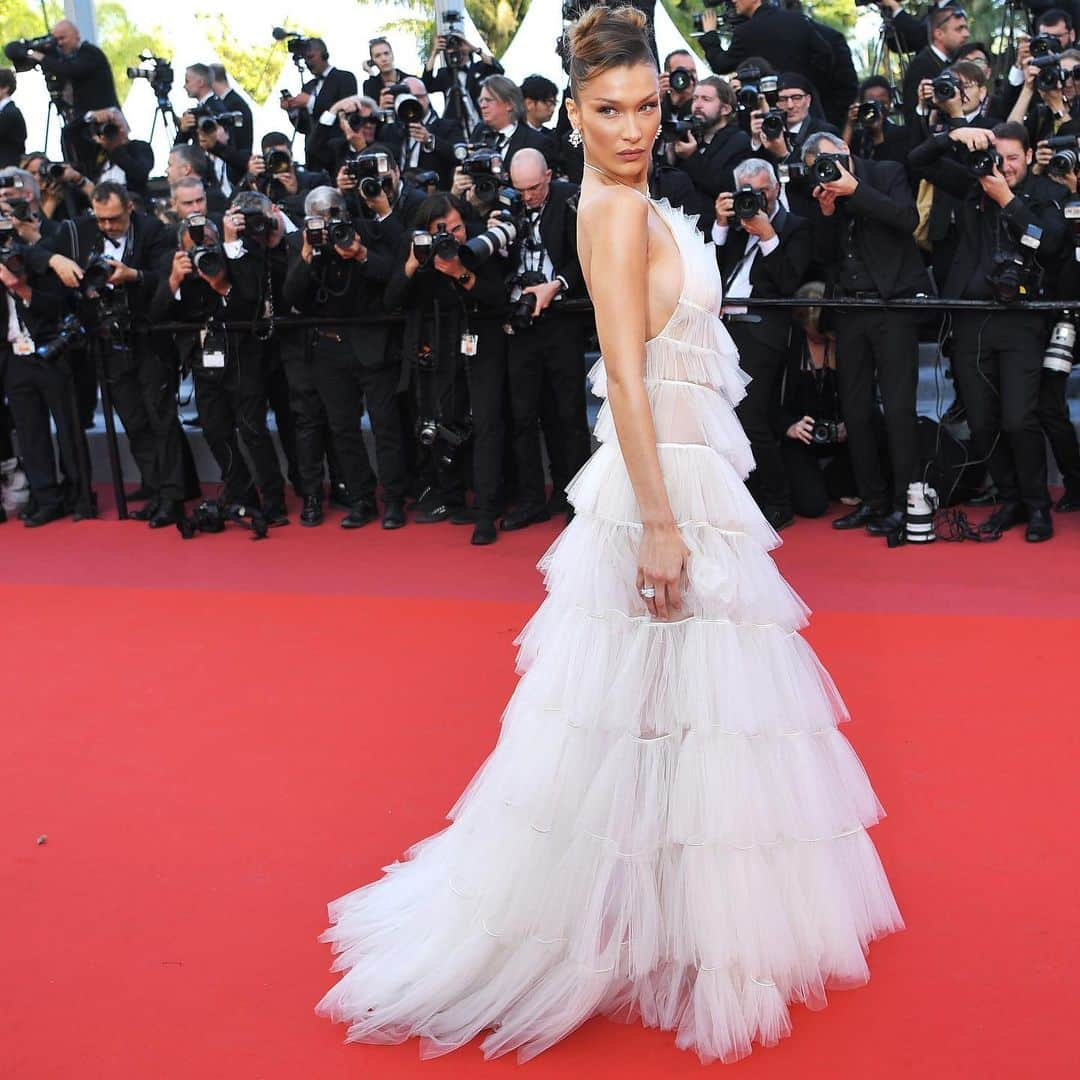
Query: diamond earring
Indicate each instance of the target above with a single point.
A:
(575, 138)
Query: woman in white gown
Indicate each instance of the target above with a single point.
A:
(671, 826)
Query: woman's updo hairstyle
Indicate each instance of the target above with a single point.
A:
(603, 38)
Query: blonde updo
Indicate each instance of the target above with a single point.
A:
(604, 38)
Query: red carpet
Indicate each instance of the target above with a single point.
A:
(217, 737)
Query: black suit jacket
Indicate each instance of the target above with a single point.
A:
(522, 137)
(884, 215)
(773, 276)
(337, 85)
(711, 165)
(88, 71)
(558, 230)
(840, 87)
(212, 105)
(135, 157)
(789, 41)
(373, 86)
(12, 135)
(924, 65)
(440, 158)
(242, 137)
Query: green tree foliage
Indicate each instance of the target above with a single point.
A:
(254, 63)
(497, 21)
(121, 40)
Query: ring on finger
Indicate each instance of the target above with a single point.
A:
(649, 592)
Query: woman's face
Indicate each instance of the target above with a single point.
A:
(618, 114)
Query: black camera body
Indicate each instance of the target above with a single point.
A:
(158, 72)
(871, 113)
(16, 51)
(523, 304)
(1043, 45)
(978, 162)
(1016, 275)
(209, 122)
(946, 85)
(71, 332)
(208, 259)
(826, 168)
(12, 250)
(674, 130)
(774, 124)
(276, 162)
(825, 432)
(372, 171)
(747, 202)
(257, 225)
(444, 244)
(1051, 76)
(681, 79)
(107, 129)
(484, 166)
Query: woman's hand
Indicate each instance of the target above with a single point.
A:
(662, 563)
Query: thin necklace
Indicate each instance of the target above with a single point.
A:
(615, 179)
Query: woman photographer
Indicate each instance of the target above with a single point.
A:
(815, 450)
(456, 350)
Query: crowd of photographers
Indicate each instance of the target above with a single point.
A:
(452, 234)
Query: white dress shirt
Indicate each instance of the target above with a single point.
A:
(740, 287)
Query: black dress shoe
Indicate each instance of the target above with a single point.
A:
(887, 524)
(339, 496)
(431, 514)
(1004, 518)
(359, 515)
(393, 515)
(779, 518)
(167, 513)
(312, 514)
(43, 516)
(485, 532)
(1040, 526)
(145, 513)
(1068, 503)
(275, 514)
(524, 516)
(860, 517)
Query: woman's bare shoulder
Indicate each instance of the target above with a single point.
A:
(616, 212)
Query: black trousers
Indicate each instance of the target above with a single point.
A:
(997, 359)
(764, 364)
(37, 390)
(216, 399)
(345, 385)
(551, 353)
(1053, 413)
(143, 383)
(258, 369)
(815, 478)
(884, 344)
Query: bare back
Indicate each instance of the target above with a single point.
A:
(664, 269)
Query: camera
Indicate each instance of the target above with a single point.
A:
(1016, 275)
(979, 162)
(12, 251)
(257, 226)
(422, 246)
(748, 201)
(55, 170)
(752, 85)
(1060, 348)
(673, 130)
(681, 79)
(276, 162)
(446, 439)
(825, 432)
(946, 85)
(207, 258)
(71, 331)
(773, 124)
(107, 129)
(210, 122)
(1043, 45)
(1050, 76)
(8, 182)
(480, 248)
(523, 304)
(724, 20)
(95, 277)
(372, 172)
(157, 71)
(1062, 163)
(443, 244)
(485, 168)
(16, 51)
(871, 113)
(826, 168)
(356, 120)
(427, 180)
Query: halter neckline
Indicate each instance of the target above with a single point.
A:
(615, 179)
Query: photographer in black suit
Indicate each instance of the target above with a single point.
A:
(327, 86)
(762, 251)
(141, 371)
(32, 306)
(12, 124)
(254, 232)
(869, 128)
(460, 79)
(710, 160)
(786, 40)
(455, 350)
(546, 349)
(285, 183)
(242, 135)
(947, 30)
(80, 73)
(863, 226)
(427, 144)
(997, 356)
(119, 158)
(352, 365)
(502, 111)
(198, 87)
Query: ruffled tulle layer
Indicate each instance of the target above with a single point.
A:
(671, 827)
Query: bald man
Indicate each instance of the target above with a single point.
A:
(427, 145)
(86, 85)
(546, 362)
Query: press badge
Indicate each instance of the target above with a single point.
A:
(23, 345)
(468, 344)
(213, 349)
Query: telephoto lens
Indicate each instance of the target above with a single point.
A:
(1059, 350)
(922, 503)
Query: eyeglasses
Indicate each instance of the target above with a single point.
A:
(790, 99)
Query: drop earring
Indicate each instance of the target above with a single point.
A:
(575, 138)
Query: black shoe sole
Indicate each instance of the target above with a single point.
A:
(311, 524)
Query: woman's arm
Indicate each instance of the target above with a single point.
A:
(616, 223)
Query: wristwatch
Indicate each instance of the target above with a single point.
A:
(463, 277)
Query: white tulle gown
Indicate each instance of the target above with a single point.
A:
(671, 827)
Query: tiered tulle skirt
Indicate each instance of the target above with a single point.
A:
(671, 826)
